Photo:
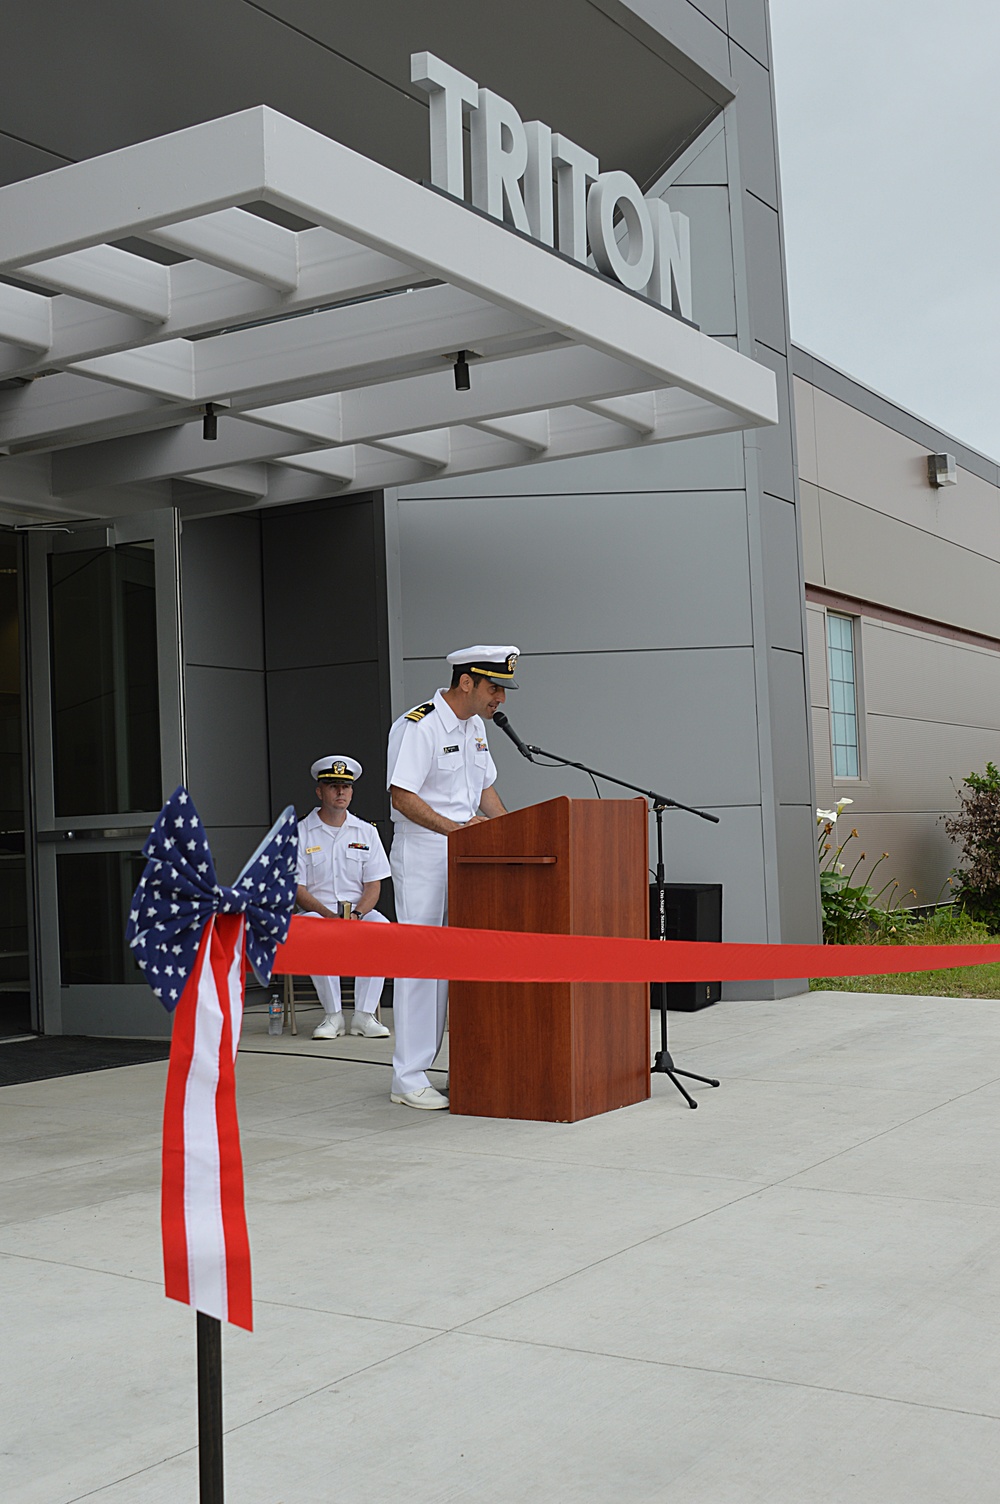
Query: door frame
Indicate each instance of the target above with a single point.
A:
(111, 1009)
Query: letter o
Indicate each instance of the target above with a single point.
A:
(634, 269)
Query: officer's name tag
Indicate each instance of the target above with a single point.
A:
(311, 849)
(449, 749)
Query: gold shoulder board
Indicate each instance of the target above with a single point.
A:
(419, 711)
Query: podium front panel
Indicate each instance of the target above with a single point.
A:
(552, 1052)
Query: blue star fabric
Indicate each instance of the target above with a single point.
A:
(179, 892)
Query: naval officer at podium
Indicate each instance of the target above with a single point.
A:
(440, 776)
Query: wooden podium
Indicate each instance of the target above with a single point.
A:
(554, 1051)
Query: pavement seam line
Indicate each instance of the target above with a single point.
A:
(732, 1373)
(757, 1190)
(434, 1336)
(884, 1132)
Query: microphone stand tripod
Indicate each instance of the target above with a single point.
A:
(663, 1063)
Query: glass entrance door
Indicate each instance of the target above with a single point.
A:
(15, 982)
(106, 707)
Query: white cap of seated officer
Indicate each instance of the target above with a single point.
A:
(335, 769)
(493, 662)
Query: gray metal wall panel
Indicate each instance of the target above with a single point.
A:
(570, 707)
(221, 584)
(767, 293)
(688, 28)
(232, 846)
(859, 457)
(95, 56)
(728, 853)
(649, 592)
(713, 298)
(18, 159)
(805, 427)
(114, 1013)
(680, 722)
(715, 10)
(908, 759)
(782, 597)
(708, 165)
(819, 682)
(863, 399)
(823, 758)
(227, 745)
(812, 534)
(796, 853)
(319, 599)
(775, 444)
(709, 464)
(929, 678)
(320, 710)
(786, 676)
(747, 24)
(76, 78)
(878, 559)
(756, 128)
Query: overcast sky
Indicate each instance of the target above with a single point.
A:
(889, 139)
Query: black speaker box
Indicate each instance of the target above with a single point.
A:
(693, 911)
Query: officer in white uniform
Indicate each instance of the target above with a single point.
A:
(440, 777)
(341, 860)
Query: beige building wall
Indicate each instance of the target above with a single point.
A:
(917, 568)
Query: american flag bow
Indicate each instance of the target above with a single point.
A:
(179, 891)
(189, 934)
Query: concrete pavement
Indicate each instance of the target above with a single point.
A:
(787, 1296)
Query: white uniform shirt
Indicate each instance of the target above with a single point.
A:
(335, 861)
(444, 760)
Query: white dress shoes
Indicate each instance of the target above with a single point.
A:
(331, 1028)
(368, 1026)
(426, 1097)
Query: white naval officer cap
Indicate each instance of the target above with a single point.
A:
(335, 770)
(496, 663)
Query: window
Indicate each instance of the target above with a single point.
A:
(843, 696)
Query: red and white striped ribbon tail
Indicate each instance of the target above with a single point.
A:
(206, 1249)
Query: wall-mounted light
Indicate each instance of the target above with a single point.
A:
(942, 470)
(462, 382)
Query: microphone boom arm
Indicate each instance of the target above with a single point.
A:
(659, 801)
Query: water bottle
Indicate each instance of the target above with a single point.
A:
(275, 1014)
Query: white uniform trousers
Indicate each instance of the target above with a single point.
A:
(367, 990)
(419, 861)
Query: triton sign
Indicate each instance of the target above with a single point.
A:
(513, 166)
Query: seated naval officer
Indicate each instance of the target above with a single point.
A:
(441, 776)
(341, 860)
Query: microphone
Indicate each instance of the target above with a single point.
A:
(501, 720)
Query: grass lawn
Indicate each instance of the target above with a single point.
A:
(961, 981)
(945, 928)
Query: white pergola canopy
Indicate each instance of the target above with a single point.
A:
(395, 279)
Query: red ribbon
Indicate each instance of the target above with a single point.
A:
(335, 947)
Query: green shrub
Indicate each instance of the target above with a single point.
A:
(976, 829)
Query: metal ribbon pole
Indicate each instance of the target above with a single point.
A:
(210, 1475)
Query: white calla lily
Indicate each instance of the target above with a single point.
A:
(824, 816)
(841, 803)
